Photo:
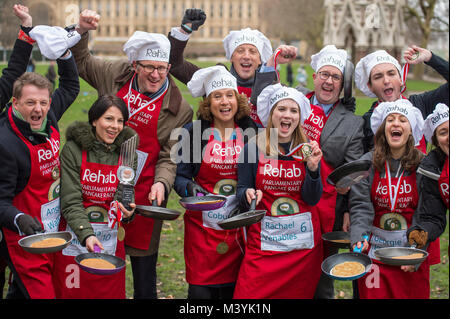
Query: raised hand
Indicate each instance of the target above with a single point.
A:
(21, 12)
(88, 21)
(288, 53)
(193, 19)
(316, 154)
(415, 55)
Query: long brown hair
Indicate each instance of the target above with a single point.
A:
(382, 152)
(204, 108)
(298, 136)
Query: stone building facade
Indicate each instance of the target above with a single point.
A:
(363, 26)
(120, 18)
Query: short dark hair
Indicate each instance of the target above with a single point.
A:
(31, 78)
(103, 103)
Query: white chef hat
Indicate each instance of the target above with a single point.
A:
(365, 66)
(273, 94)
(54, 41)
(247, 36)
(329, 55)
(143, 46)
(439, 116)
(207, 80)
(401, 106)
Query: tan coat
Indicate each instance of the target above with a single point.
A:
(108, 77)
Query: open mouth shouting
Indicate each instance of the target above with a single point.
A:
(36, 121)
(396, 135)
(285, 126)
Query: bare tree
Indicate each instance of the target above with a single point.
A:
(430, 17)
(292, 20)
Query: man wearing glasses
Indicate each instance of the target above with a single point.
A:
(339, 134)
(156, 107)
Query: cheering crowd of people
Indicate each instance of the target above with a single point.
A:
(258, 144)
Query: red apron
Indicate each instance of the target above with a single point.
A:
(284, 251)
(98, 186)
(326, 207)
(143, 118)
(213, 255)
(40, 198)
(389, 229)
(423, 144)
(443, 183)
(253, 109)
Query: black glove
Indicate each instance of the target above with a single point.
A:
(194, 16)
(28, 225)
(193, 188)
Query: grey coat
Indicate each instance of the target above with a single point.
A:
(341, 143)
(362, 211)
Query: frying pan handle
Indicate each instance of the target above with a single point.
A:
(253, 204)
(358, 250)
(155, 203)
(97, 249)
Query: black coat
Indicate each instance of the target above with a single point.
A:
(17, 65)
(431, 211)
(15, 162)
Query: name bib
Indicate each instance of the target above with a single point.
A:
(212, 217)
(287, 233)
(386, 238)
(50, 216)
(106, 235)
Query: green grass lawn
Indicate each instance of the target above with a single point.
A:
(170, 267)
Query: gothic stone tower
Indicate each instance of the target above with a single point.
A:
(363, 26)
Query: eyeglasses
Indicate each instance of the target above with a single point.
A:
(150, 68)
(325, 75)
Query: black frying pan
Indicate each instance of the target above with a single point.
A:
(157, 212)
(27, 241)
(348, 80)
(350, 173)
(250, 217)
(386, 255)
(335, 238)
(333, 260)
(200, 203)
(116, 261)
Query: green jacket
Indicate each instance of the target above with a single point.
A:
(80, 136)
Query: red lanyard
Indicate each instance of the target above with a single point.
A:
(393, 197)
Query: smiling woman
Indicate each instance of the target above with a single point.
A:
(393, 200)
(108, 116)
(90, 206)
(212, 254)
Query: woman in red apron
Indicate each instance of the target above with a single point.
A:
(213, 255)
(433, 189)
(90, 160)
(283, 251)
(391, 187)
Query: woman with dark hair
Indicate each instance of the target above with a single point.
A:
(280, 169)
(383, 204)
(207, 163)
(89, 189)
(430, 220)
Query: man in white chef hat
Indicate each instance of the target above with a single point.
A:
(156, 107)
(339, 134)
(380, 75)
(250, 52)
